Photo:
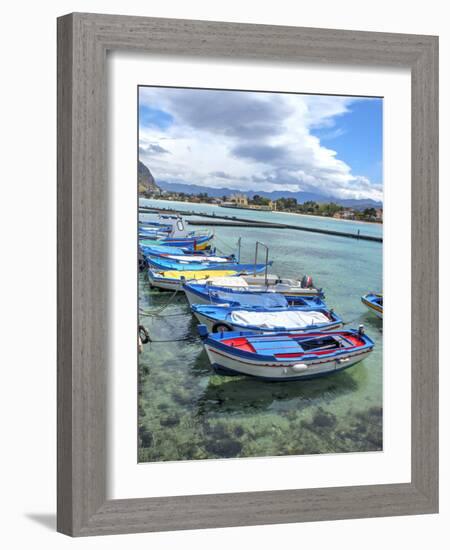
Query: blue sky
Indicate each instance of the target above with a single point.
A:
(358, 139)
(256, 141)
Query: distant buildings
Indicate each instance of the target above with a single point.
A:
(345, 214)
(368, 214)
(379, 214)
(239, 199)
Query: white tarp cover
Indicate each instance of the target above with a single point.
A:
(225, 281)
(279, 319)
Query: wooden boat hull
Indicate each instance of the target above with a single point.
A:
(199, 296)
(233, 362)
(173, 280)
(195, 243)
(370, 301)
(215, 324)
(179, 265)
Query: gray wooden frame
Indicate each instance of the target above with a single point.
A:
(83, 41)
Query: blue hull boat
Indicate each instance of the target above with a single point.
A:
(164, 264)
(221, 318)
(207, 294)
(284, 356)
(153, 233)
(158, 250)
(180, 255)
(374, 302)
(200, 242)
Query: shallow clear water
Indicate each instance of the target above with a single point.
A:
(188, 412)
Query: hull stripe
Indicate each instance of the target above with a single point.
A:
(281, 365)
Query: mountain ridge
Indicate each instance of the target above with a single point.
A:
(300, 196)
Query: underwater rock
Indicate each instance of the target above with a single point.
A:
(146, 437)
(323, 419)
(238, 431)
(225, 448)
(217, 431)
(170, 421)
(376, 412)
(181, 397)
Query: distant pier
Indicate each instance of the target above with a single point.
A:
(224, 221)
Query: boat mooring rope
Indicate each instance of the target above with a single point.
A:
(157, 311)
(352, 321)
(191, 338)
(224, 244)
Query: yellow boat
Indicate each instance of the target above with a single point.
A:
(173, 280)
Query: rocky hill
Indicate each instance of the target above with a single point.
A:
(147, 184)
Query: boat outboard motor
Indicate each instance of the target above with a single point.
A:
(307, 282)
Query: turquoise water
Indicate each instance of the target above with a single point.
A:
(188, 412)
(347, 226)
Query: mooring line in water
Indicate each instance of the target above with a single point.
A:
(352, 321)
(157, 311)
(150, 314)
(192, 338)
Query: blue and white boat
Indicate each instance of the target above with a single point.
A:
(268, 282)
(374, 302)
(153, 232)
(157, 250)
(283, 356)
(173, 232)
(197, 293)
(180, 264)
(221, 318)
(184, 257)
(173, 280)
(195, 242)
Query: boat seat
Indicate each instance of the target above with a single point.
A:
(272, 347)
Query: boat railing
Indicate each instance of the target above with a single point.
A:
(262, 245)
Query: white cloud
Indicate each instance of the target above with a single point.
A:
(249, 141)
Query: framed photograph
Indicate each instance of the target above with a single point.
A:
(247, 221)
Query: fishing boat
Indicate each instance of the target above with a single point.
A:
(196, 242)
(153, 232)
(183, 254)
(213, 293)
(180, 264)
(173, 232)
(283, 356)
(173, 280)
(265, 283)
(155, 250)
(374, 302)
(223, 317)
(165, 260)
